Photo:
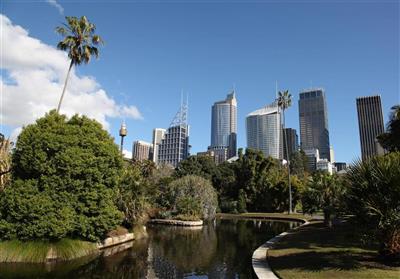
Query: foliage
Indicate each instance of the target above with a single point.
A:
(192, 195)
(298, 163)
(79, 39)
(374, 197)
(324, 192)
(5, 161)
(203, 166)
(135, 196)
(65, 175)
(391, 139)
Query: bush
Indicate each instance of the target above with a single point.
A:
(374, 198)
(192, 195)
(65, 173)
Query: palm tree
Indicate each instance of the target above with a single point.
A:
(285, 101)
(80, 42)
(391, 139)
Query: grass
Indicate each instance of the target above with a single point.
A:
(36, 251)
(315, 252)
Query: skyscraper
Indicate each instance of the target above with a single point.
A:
(158, 135)
(224, 124)
(370, 125)
(290, 137)
(174, 146)
(263, 128)
(142, 150)
(313, 116)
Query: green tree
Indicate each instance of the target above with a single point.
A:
(284, 102)
(5, 161)
(298, 163)
(80, 42)
(135, 195)
(391, 139)
(192, 194)
(203, 166)
(374, 198)
(65, 174)
(324, 192)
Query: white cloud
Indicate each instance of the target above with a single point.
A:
(127, 154)
(56, 5)
(35, 75)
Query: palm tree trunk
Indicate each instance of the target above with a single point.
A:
(65, 86)
(288, 162)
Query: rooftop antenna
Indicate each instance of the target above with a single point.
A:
(276, 89)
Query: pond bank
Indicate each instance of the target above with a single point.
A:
(176, 222)
(62, 250)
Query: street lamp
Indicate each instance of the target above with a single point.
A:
(122, 133)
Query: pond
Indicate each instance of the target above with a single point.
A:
(220, 249)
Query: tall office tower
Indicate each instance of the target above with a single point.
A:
(158, 135)
(290, 137)
(263, 128)
(313, 116)
(174, 146)
(370, 124)
(312, 159)
(142, 150)
(224, 125)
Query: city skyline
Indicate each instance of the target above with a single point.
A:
(348, 55)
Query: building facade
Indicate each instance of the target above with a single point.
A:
(370, 125)
(142, 150)
(158, 135)
(312, 159)
(263, 129)
(339, 166)
(174, 146)
(224, 125)
(313, 117)
(292, 140)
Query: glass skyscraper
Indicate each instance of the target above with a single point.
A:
(313, 116)
(224, 125)
(263, 128)
(370, 124)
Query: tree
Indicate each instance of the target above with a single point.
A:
(374, 198)
(192, 195)
(80, 42)
(135, 195)
(298, 163)
(391, 139)
(203, 166)
(324, 192)
(284, 102)
(65, 175)
(5, 161)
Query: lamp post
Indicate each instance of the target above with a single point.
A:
(122, 133)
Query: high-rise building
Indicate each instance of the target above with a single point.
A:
(224, 125)
(292, 140)
(312, 159)
(158, 135)
(174, 146)
(340, 166)
(218, 155)
(263, 128)
(142, 150)
(370, 125)
(313, 116)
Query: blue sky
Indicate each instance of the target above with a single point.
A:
(155, 50)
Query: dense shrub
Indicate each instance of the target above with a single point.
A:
(65, 173)
(192, 195)
(374, 197)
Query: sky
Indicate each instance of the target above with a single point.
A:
(154, 50)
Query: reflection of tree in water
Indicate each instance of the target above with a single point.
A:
(222, 253)
(222, 249)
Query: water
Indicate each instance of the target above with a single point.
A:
(221, 249)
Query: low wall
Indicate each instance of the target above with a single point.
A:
(115, 240)
(176, 222)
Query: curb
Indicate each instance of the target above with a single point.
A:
(259, 259)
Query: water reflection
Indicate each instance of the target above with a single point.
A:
(221, 249)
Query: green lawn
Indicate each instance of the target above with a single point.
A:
(315, 251)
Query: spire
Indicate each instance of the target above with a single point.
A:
(182, 115)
